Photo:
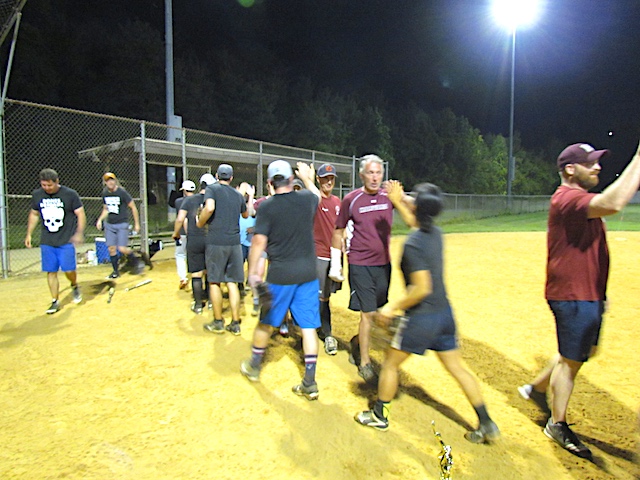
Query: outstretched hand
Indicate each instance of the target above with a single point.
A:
(306, 170)
(395, 192)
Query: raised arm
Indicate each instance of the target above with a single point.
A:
(398, 198)
(616, 196)
(307, 174)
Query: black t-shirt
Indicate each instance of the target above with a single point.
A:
(117, 205)
(58, 220)
(287, 220)
(191, 205)
(423, 251)
(224, 228)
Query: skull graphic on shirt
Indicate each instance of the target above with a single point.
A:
(53, 218)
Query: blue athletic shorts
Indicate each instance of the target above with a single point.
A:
(578, 326)
(369, 287)
(58, 258)
(116, 234)
(301, 299)
(427, 331)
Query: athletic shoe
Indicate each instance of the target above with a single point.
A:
(539, 398)
(330, 345)
(367, 372)
(233, 327)
(209, 305)
(197, 310)
(217, 326)
(183, 284)
(486, 433)
(564, 436)
(309, 392)
(284, 329)
(113, 275)
(370, 419)
(354, 356)
(77, 295)
(139, 268)
(249, 371)
(55, 306)
(256, 311)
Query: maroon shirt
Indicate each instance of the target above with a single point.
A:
(325, 224)
(578, 256)
(367, 218)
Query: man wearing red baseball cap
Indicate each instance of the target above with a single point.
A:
(577, 272)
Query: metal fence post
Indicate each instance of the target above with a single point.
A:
(144, 217)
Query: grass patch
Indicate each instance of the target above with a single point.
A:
(627, 220)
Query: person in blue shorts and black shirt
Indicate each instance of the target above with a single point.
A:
(62, 217)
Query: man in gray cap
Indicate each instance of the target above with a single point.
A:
(223, 206)
(284, 226)
(577, 273)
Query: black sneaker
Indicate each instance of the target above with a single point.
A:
(233, 327)
(486, 433)
(112, 275)
(55, 306)
(197, 310)
(564, 436)
(310, 392)
(370, 419)
(217, 326)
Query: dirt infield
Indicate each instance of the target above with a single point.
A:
(135, 389)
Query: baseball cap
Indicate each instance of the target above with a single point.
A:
(325, 170)
(225, 171)
(207, 179)
(109, 176)
(279, 168)
(188, 186)
(580, 153)
(298, 183)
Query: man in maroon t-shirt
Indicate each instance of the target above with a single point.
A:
(367, 216)
(577, 271)
(323, 226)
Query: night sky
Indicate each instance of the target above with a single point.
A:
(577, 67)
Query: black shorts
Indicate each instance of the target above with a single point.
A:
(369, 287)
(196, 254)
(224, 263)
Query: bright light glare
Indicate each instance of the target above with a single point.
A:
(515, 13)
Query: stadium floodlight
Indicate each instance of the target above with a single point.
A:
(513, 14)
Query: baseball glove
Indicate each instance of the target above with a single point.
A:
(381, 337)
(264, 297)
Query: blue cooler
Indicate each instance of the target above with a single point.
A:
(102, 251)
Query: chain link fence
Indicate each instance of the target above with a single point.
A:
(150, 160)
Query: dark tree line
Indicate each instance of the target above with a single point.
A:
(113, 65)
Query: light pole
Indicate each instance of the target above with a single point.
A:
(512, 14)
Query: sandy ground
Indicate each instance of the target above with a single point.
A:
(135, 389)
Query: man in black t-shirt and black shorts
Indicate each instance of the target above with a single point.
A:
(223, 206)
